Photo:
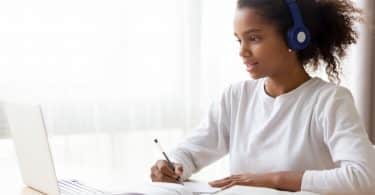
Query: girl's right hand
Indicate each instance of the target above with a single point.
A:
(161, 172)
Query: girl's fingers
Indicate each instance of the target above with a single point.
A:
(220, 183)
(233, 183)
(159, 176)
(178, 169)
(164, 168)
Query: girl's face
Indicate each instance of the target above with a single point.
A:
(262, 47)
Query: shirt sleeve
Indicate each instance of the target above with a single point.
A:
(208, 142)
(349, 146)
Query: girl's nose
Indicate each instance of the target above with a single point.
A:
(244, 51)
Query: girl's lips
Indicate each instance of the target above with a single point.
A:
(250, 67)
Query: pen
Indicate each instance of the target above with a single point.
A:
(168, 161)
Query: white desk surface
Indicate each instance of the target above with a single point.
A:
(98, 161)
(12, 184)
(238, 190)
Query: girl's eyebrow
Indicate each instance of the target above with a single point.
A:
(251, 30)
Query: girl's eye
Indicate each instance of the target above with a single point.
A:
(250, 39)
(254, 38)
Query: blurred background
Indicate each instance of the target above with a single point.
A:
(111, 76)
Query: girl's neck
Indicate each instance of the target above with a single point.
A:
(281, 84)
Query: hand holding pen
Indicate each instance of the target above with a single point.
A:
(165, 170)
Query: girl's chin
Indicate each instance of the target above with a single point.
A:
(256, 76)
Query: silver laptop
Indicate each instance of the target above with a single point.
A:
(34, 156)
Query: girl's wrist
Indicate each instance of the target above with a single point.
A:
(287, 180)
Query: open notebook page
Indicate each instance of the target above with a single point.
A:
(189, 188)
(200, 187)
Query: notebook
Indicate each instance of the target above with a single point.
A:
(189, 188)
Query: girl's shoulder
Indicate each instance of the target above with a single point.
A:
(326, 90)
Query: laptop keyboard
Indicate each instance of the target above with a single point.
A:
(74, 187)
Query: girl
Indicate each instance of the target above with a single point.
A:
(284, 129)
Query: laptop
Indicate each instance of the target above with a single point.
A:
(33, 152)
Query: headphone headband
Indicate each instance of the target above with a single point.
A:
(298, 35)
(295, 12)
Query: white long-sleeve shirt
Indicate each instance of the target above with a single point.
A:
(314, 128)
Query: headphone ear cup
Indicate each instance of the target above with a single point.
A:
(298, 38)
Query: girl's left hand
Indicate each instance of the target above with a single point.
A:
(269, 180)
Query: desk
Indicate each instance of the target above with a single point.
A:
(14, 186)
(244, 190)
(98, 160)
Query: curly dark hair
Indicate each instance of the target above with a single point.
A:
(330, 22)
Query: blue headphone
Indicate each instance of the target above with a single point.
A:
(298, 36)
